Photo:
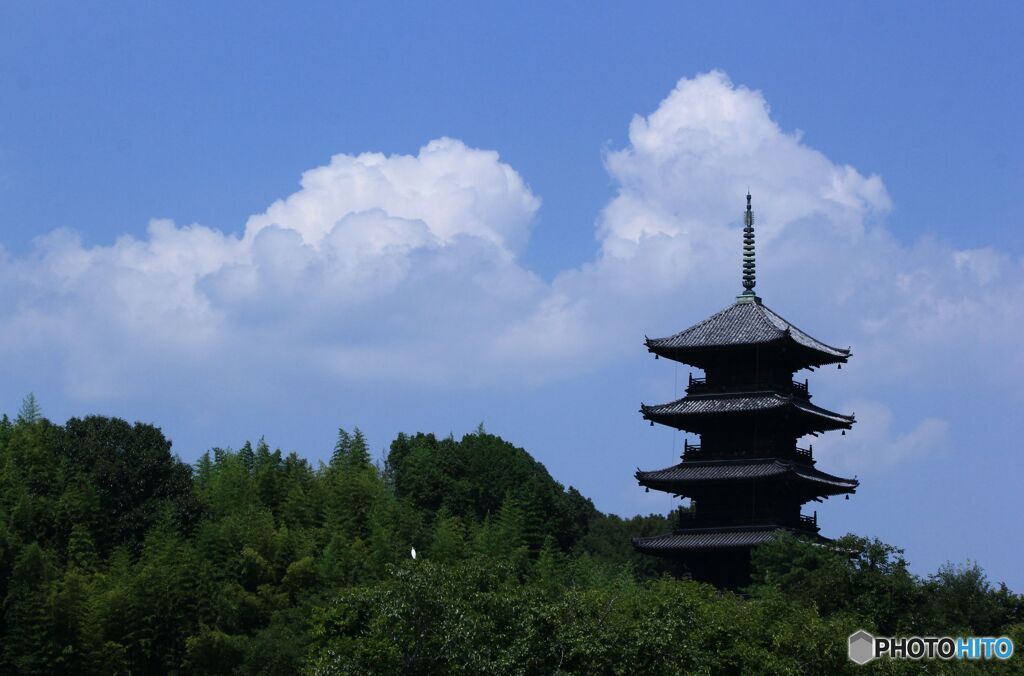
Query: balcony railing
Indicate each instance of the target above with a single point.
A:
(691, 452)
(700, 386)
(810, 520)
(693, 519)
(697, 452)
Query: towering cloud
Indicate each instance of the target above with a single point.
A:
(407, 267)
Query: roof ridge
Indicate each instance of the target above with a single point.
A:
(761, 310)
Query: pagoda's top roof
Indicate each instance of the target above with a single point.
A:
(693, 471)
(699, 406)
(708, 538)
(747, 322)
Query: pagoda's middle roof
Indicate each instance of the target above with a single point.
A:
(700, 471)
(710, 538)
(747, 322)
(691, 407)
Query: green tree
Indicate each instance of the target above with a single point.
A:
(212, 651)
(345, 562)
(247, 457)
(960, 598)
(550, 567)
(30, 410)
(28, 645)
(428, 618)
(341, 448)
(855, 575)
(70, 611)
(163, 600)
(82, 550)
(449, 539)
(501, 538)
(358, 456)
(133, 472)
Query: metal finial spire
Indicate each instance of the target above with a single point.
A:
(748, 250)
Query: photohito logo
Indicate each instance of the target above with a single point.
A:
(863, 647)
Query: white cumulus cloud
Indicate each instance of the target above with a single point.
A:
(448, 188)
(827, 257)
(407, 266)
(378, 266)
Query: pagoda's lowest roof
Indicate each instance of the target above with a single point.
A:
(746, 322)
(742, 402)
(693, 471)
(707, 538)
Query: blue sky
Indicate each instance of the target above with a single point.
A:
(516, 197)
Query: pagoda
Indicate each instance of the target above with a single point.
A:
(747, 478)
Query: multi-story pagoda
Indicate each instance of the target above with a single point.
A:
(747, 478)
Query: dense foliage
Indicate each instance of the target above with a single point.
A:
(116, 557)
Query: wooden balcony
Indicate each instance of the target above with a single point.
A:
(696, 452)
(700, 386)
(693, 519)
(691, 452)
(810, 522)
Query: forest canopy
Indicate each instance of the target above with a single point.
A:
(116, 557)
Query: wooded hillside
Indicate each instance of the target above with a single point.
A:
(116, 557)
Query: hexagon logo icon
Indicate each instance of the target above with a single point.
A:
(862, 647)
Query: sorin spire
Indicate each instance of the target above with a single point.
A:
(748, 250)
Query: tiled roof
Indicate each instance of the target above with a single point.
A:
(706, 538)
(692, 471)
(745, 322)
(743, 402)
